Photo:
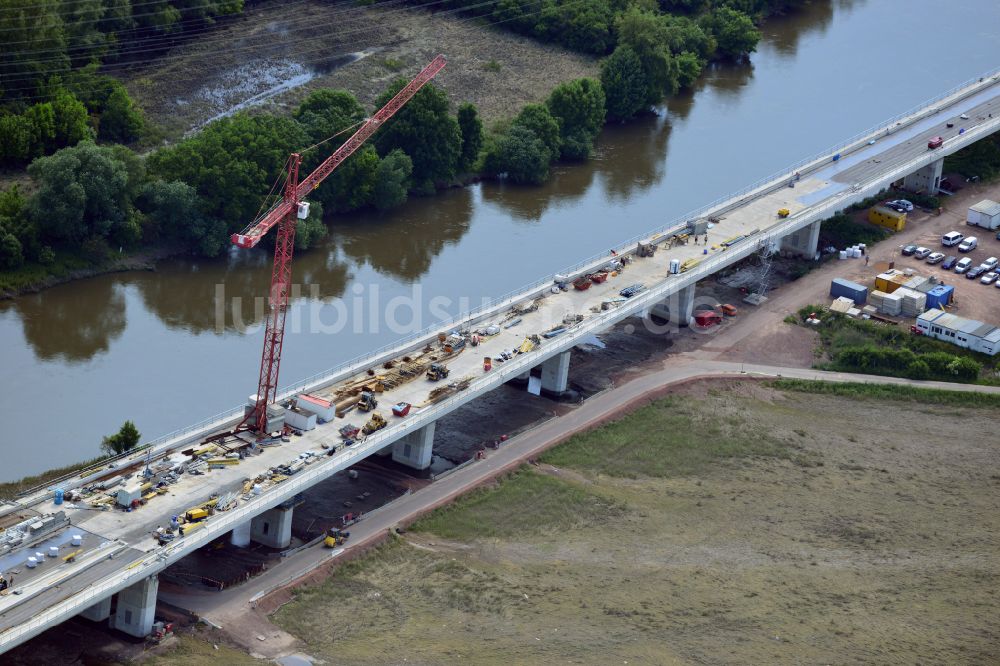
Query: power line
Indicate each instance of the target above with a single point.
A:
(171, 59)
(303, 22)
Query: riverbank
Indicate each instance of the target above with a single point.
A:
(67, 267)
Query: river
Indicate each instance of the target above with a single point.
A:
(168, 348)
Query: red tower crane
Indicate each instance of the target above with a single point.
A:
(283, 215)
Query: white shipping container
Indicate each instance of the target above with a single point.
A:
(985, 214)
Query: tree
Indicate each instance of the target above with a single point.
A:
(424, 131)
(16, 139)
(121, 120)
(579, 107)
(83, 191)
(471, 128)
(70, 119)
(42, 122)
(173, 210)
(350, 186)
(30, 29)
(735, 32)
(689, 67)
(392, 180)
(584, 25)
(521, 156)
(11, 255)
(538, 119)
(624, 83)
(647, 34)
(325, 113)
(122, 441)
(231, 164)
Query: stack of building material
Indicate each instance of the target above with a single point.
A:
(913, 302)
(918, 282)
(890, 304)
(841, 304)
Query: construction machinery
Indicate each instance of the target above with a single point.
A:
(437, 371)
(376, 422)
(284, 215)
(335, 537)
(784, 212)
(367, 401)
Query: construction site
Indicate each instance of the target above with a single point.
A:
(318, 517)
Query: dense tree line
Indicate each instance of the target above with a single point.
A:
(98, 198)
(94, 198)
(594, 26)
(51, 94)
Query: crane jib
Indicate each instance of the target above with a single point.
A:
(283, 216)
(256, 230)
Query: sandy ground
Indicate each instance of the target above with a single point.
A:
(270, 59)
(868, 545)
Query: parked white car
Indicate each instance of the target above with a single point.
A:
(963, 265)
(951, 238)
(968, 244)
(990, 263)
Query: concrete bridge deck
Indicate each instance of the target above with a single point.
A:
(890, 153)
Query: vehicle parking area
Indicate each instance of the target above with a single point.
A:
(973, 299)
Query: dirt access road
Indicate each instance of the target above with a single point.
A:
(268, 59)
(242, 611)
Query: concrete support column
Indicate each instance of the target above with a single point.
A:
(416, 449)
(555, 373)
(99, 611)
(677, 308)
(804, 242)
(927, 179)
(137, 608)
(240, 536)
(273, 528)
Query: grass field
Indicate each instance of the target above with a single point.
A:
(659, 441)
(801, 525)
(553, 504)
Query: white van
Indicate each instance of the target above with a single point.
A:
(968, 244)
(951, 238)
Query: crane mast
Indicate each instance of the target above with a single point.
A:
(283, 215)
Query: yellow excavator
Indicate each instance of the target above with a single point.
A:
(335, 537)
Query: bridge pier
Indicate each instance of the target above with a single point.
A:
(677, 308)
(137, 608)
(240, 536)
(555, 374)
(273, 528)
(99, 611)
(804, 242)
(927, 179)
(415, 449)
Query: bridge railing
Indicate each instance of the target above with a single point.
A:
(219, 524)
(518, 295)
(522, 293)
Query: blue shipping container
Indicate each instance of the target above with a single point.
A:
(852, 290)
(940, 296)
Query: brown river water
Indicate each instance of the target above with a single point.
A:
(170, 347)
